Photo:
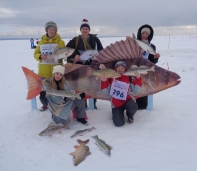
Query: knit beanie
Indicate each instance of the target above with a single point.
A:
(120, 63)
(145, 29)
(58, 68)
(50, 24)
(85, 23)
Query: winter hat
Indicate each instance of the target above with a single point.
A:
(58, 68)
(85, 23)
(120, 63)
(50, 24)
(145, 29)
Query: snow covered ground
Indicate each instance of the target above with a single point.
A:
(160, 140)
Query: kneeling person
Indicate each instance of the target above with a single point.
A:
(61, 107)
(123, 98)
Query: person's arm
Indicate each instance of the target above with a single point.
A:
(37, 54)
(99, 44)
(71, 44)
(136, 84)
(153, 58)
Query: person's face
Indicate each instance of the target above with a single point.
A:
(51, 32)
(144, 36)
(85, 31)
(58, 76)
(120, 69)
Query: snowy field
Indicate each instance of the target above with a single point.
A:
(164, 139)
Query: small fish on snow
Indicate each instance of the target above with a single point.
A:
(82, 132)
(81, 152)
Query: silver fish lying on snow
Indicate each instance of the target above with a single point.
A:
(141, 70)
(144, 46)
(82, 132)
(52, 128)
(102, 145)
(70, 94)
(62, 53)
(81, 152)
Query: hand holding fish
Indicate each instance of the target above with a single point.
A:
(157, 55)
(77, 58)
(137, 74)
(44, 57)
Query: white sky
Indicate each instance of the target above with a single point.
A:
(27, 18)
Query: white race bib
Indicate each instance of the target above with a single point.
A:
(47, 49)
(119, 90)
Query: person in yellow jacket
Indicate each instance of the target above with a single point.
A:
(45, 48)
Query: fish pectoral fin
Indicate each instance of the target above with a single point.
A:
(110, 147)
(72, 154)
(88, 153)
(76, 146)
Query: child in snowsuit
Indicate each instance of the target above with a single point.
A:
(122, 100)
(61, 107)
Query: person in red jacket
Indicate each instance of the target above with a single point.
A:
(122, 90)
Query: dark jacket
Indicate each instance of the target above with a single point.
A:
(150, 57)
(93, 41)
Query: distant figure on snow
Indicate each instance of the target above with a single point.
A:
(32, 43)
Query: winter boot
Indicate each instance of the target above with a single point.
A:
(130, 120)
(82, 120)
(43, 108)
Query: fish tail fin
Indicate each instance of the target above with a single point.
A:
(78, 96)
(34, 83)
(80, 141)
(89, 71)
(152, 68)
(133, 38)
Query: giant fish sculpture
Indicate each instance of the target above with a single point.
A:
(128, 51)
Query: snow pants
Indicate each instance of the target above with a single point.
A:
(118, 112)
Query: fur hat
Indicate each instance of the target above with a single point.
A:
(120, 63)
(50, 24)
(145, 29)
(58, 68)
(85, 23)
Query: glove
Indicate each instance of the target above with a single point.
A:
(42, 94)
(82, 95)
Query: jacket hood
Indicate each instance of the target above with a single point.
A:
(151, 32)
(55, 39)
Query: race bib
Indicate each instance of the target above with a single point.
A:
(47, 49)
(119, 90)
